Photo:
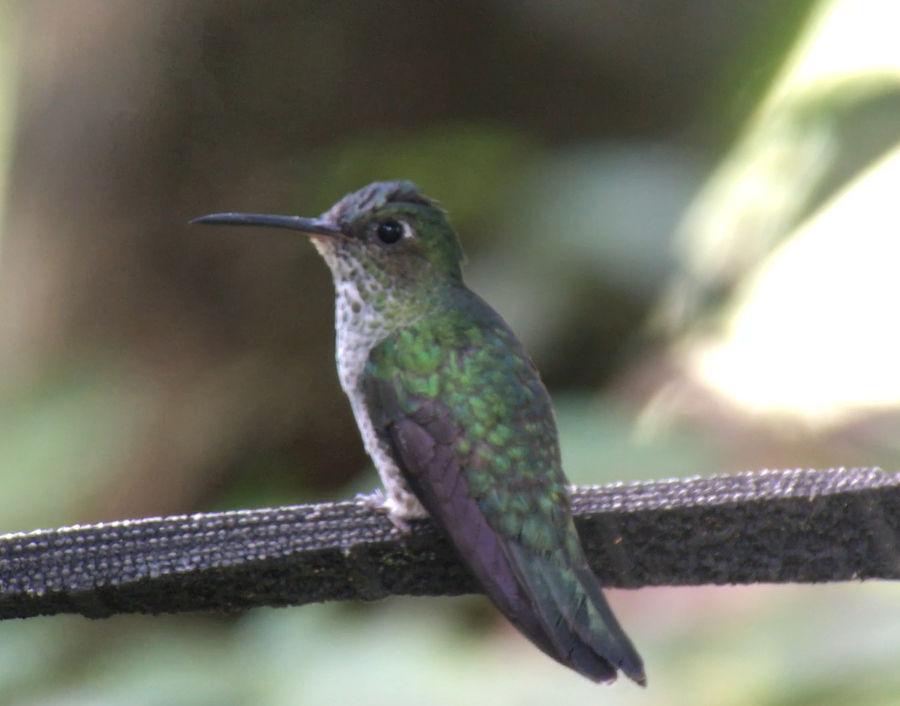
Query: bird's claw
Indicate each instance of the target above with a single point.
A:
(398, 511)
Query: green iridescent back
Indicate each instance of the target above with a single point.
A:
(464, 363)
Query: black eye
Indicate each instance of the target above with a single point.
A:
(390, 232)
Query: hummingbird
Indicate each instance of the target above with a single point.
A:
(455, 417)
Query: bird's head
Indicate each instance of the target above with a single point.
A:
(387, 231)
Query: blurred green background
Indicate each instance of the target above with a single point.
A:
(686, 209)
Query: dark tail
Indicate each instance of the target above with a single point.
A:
(574, 617)
(552, 598)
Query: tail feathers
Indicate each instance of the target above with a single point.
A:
(576, 619)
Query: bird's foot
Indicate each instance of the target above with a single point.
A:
(399, 509)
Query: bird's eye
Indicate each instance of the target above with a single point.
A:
(390, 232)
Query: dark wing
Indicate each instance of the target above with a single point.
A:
(424, 452)
(505, 511)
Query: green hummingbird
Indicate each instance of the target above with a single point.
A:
(456, 419)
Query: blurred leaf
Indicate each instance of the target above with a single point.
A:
(749, 71)
(811, 331)
(847, 56)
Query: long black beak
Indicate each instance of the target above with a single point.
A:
(311, 226)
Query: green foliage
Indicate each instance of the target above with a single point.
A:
(470, 166)
(56, 444)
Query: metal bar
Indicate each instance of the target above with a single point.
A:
(769, 526)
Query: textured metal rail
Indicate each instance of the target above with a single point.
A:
(768, 526)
